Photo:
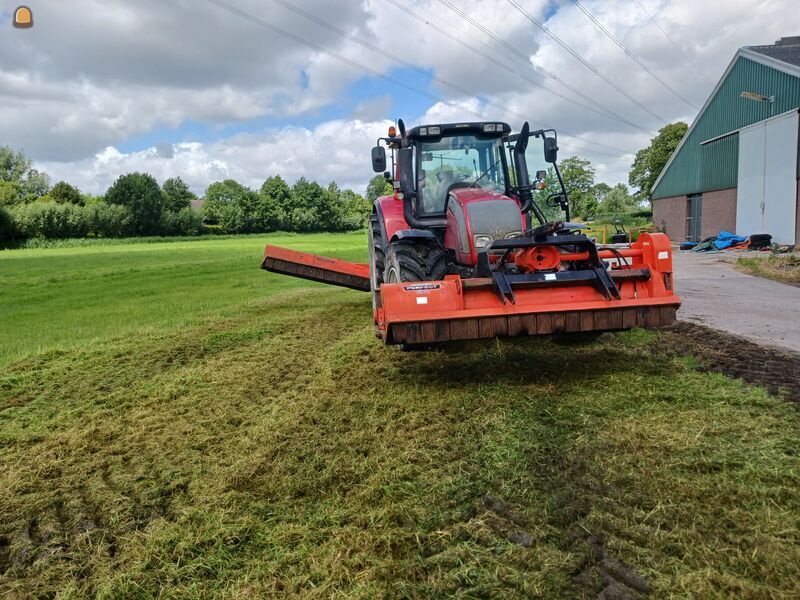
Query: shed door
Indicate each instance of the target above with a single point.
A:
(766, 198)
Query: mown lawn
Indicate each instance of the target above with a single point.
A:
(270, 446)
(64, 297)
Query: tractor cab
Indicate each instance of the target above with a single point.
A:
(465, 185)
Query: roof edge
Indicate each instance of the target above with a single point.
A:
(769, 61)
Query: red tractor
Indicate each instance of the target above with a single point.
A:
(462, 251)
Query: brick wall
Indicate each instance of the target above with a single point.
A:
(719, 212)
(669, 215)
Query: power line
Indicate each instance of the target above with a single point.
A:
(351, 63)
(671, 41)
(329, 26)
(577, 56)
(275, 29)
(519, 57)
(601, 110)
(630, 54)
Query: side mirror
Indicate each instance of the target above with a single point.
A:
(550, 150)
(378, 159)
(406, 168)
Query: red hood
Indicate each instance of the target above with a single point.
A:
(467, 195)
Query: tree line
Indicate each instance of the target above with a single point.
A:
(136, 205)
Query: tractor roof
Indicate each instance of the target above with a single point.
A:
(482, 128)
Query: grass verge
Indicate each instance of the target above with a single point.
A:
(784, 268)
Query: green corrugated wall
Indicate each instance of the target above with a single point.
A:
(714, 166)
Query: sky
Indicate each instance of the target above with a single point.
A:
(245, 89)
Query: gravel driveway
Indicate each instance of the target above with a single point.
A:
(715, 294)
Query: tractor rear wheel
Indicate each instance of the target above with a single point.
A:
(414, 260)
(377, 260)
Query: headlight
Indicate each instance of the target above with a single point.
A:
(490, 127)
(481, 240)
(513, 234)
(434, 130)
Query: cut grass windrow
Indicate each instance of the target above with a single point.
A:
(283, 451)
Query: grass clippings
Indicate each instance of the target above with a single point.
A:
(176, 423)
(285, 452)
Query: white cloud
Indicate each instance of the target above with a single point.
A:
(92, 74)
(333, 151)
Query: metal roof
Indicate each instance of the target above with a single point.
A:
(786, 49)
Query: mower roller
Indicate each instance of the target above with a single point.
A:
(462, 251)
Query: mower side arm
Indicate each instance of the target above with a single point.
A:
(333, 271)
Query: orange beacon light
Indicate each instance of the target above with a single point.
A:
(23, 18)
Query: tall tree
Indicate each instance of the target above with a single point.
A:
(140, 193)
(578, 175)
(649, 162)
(177, 194)
(617, 200)
(376, 188)
(64, 193)
(312, 209)
(277, 192)
(23, 183)
(233, 206)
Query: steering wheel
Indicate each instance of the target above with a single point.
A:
(459, 185)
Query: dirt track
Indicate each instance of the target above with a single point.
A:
(776, 369)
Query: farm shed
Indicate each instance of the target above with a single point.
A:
(738, 166)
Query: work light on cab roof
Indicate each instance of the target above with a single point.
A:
(462, 249)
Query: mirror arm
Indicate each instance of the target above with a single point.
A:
(563, 191)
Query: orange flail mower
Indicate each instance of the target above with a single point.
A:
(463, 250)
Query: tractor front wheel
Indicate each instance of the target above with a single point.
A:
(414, 260)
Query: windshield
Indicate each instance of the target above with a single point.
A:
(453, 162)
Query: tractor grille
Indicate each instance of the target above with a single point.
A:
(497, 218)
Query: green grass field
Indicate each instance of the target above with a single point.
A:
(64, 297)
(176, 423)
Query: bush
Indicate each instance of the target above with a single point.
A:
(109, 220)
(7, 226)
(10, 193)
(184, 222)
(238, 209)
(51, 220)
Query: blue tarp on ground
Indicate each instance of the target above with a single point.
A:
(725, 239)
